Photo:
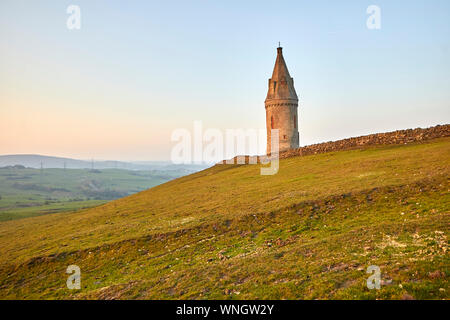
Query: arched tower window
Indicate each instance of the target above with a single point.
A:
(295, 121)
(271, 122)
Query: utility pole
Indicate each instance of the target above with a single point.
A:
(42, 171)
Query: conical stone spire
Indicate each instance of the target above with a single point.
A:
(281, 85)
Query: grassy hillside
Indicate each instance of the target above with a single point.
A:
(26, 192)
(308, 232)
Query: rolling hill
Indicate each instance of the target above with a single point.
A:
(26, 192)
(37, 161)
(308, 232)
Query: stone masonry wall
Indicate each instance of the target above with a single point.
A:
(394, 137)
(389, 138)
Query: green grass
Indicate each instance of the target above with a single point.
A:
(308, 232)
(33, 192)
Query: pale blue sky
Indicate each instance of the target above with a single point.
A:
(137, 70)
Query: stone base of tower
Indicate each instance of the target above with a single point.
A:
(282, 115)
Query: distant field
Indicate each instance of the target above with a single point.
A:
(308, 232)
(26, 192)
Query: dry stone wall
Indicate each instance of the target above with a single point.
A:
(389, 138)
(394, 137)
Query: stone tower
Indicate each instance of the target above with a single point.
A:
(281, 106)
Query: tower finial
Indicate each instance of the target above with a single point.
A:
(279, 44)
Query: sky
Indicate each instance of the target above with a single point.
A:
(135, 71)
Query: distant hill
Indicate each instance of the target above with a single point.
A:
(35, 161)
(308, 232)
(26, 192)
